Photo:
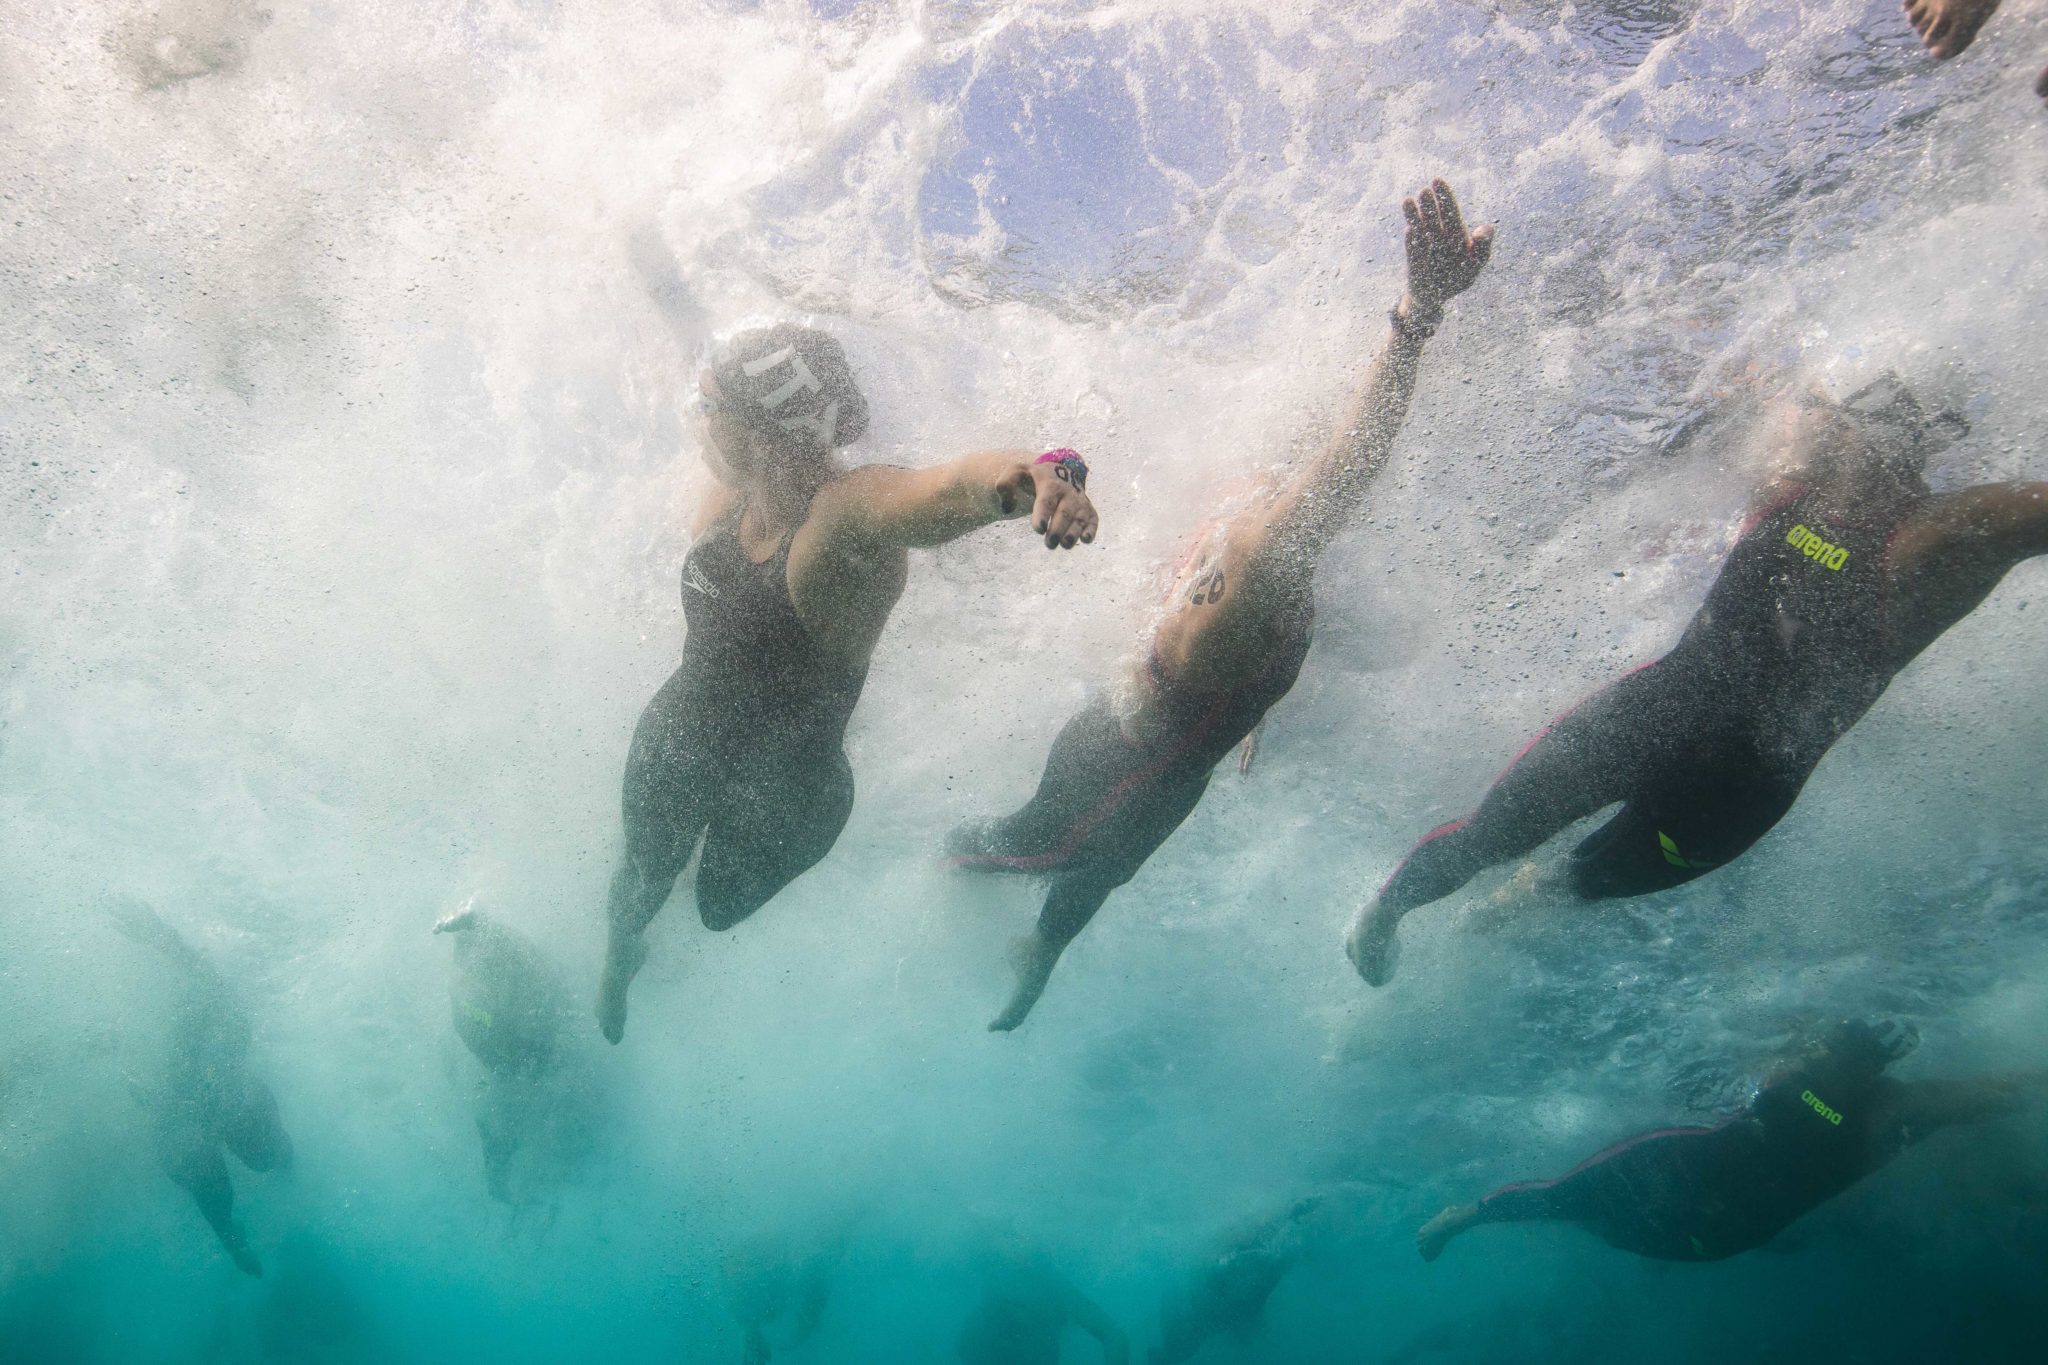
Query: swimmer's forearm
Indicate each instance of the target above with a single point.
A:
(1929, 1105)
(923, 508)
(1328, 493)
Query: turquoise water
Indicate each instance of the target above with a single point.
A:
(343, 480)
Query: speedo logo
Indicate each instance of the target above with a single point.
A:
(1816, 549)
(1813, 1102)
(695, 581)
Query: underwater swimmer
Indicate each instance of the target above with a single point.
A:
(1949, 26)
(1846, 570)
(510, 1012)
(1119, 780)
(1230, 1292)
(772, 1292)
(796, 565)
(1822, 1121)
(1025, 1308)
(207, 1098)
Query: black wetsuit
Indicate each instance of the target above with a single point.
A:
(743, 745)
(1105, 803)
(1701, 1194)
(1708, 747)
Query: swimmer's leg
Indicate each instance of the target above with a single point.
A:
(499, 1138)
(1586, 760)
(1086, 760)
(665, 805)
(254, 1132)
(758, 846)
(1536, 1201)
(199, 1167)
(1432, 1237)
(1948, 26)
(1112, 856)
(1072, 902)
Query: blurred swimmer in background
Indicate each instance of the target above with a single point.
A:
(1228, 1294)
(534, 1110)
(205, 1098)
(1825, 1118)
(1026, 1306)
(777, 1292)
(1847, 567)
(1129, 768)
(1949, 26)
(796, 565)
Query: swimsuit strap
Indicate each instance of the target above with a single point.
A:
(738, 514)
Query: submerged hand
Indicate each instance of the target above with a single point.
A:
(1060, 510)
(1443, 259)
(457, 920)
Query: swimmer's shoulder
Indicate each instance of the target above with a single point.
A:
(710, 508)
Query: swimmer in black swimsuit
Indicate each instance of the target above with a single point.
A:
(206, 1098)
(1119, 780)
(796, 566)
(1820, 1123)
(1845, 572)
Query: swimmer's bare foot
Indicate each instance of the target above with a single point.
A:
(1948, 26)
(1033, 958)
(2041, 86)
(1438, 1231)
(624, 956)
(1369, 942)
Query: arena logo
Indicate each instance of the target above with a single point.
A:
(1816, 549)
(1814, 1102)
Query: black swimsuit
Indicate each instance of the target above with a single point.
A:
(1708, 747)
(743, 745)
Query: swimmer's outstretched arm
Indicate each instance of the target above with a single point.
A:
(2001, 523)
(1317, 503)
(883, 507)
(1926, 1107)
(1948, 557)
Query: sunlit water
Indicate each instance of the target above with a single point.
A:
(344, 478)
